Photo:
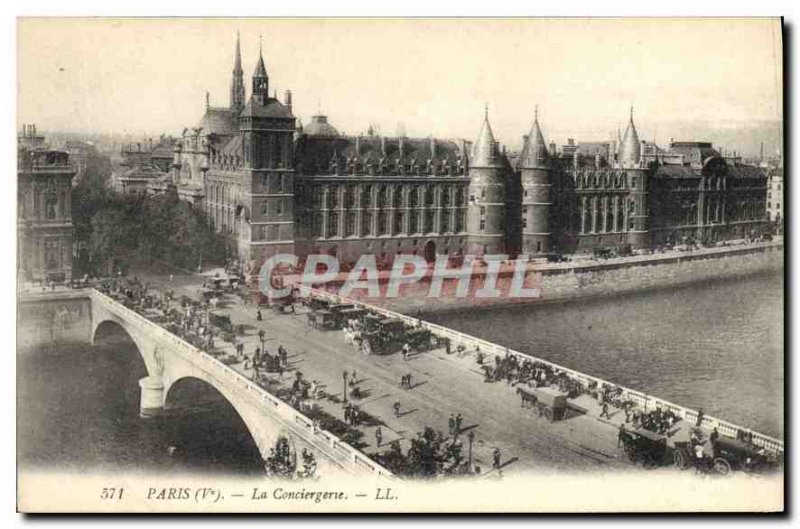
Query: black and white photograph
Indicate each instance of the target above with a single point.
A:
(400, 265)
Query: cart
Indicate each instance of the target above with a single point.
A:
(321, 319)
(551, 403)
(644, 447)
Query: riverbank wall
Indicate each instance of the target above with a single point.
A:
(565, 282)
(62, 315)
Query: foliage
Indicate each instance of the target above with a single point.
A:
(120, 230)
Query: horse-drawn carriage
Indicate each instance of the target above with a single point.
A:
(644, 447)
(548, 402)
(728, 454)
(321, 319)
(382, 335)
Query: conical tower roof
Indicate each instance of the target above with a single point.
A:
(534, 151)
(484, 150)
(261, 70)
(630, 150)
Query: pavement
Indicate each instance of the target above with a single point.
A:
(442, 385)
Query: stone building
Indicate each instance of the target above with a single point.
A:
(44, 209)
(273, 186)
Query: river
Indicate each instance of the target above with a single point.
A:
(715, 346)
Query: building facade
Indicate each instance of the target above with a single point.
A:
(44, 209)
(273, 186)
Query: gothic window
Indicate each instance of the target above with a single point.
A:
(350, 225)
(50, 205)
(398, 223)
(366, 224)
(429, 197)
(317, 228)
(366, 196)
(382, 222)
(279, 207)
(350, 197)
(333, 225)
(430, 219)
(446, 222)
(382, 197)
(265, 208)
(413, 221)
(525, 217)
(397, 199)
(445, 197)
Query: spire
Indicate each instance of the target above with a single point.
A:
(260, 79)
(630, 150)
(484, 151)
(261, 70)
(534, 151)
(237, 62)
(237, 83)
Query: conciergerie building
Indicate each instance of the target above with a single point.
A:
(275, 186)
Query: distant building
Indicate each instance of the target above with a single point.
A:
(144, 168)
(44, 211)
(775, 209)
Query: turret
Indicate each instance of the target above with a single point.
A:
(260, 81)
(629, 160)
(486, 222)
(536, 192)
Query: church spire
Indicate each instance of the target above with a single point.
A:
(260, 79)
(237, 83)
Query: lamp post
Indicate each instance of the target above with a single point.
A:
(344, 386)
(471, 438)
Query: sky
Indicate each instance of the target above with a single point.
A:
(150, 76)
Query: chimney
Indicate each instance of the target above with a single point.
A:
(402, 146)
(433, 147)
(552, 148)
(287, 99)
(383, 145)
(358, 146)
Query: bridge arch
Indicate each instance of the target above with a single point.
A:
(141, 347)
(263, 430)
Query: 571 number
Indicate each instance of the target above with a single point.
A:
(111, 493)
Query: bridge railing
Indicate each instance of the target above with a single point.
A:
(642, 400)
(290, 415)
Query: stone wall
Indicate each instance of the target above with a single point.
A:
(598, 278)
(63, 316)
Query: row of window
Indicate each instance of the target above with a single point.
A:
(368, 196)
(332, 224)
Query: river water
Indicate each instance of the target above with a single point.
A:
(713, 346)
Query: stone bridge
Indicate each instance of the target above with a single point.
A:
(169, 359)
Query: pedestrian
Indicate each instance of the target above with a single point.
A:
(496, 458)
(403, 382)
(258, 315)
(396, 407)
(280, 371)
(408, 381)
(378, 436)
(451, 423)
(700, 416)
(459, 420)
(604, 411)
(622, 435)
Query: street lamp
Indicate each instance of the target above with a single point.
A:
(471, 438)
(344, 387)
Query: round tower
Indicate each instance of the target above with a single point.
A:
(629, 160)
(486, 222)
(536, 192)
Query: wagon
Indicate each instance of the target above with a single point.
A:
(351, 314)
(551, 403)
(321, 319)
(420, 338)
(644, 447)
(728, 455)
